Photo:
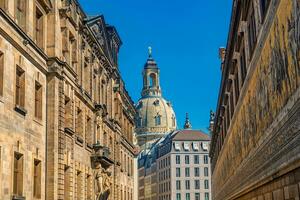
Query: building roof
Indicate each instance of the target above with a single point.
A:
(190, 135)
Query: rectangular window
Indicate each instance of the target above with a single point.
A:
(1, 73)
(39, 29)
(197, 196)
(79, 123)
(187, 184)
(18, 175)
(197, 171)
(177, 159)
(2, 4)
(251, 30)
(206, 184)
(20, 87)
(73, 47)
(197, 184)
(20, 13)
(79, 185)
(187, 172)
(196, 159)
(177, 172)
(205, 159)
(187, 196)
(178, 185)
(38, 105)
(206, 196)
(178, 196)
(187, 159)
(37, 181)
(205, 171)
(68, 113)
(88, 130)
(67, 183)
(87, 75)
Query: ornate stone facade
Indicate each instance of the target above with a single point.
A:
(256, 137)
(66, 120)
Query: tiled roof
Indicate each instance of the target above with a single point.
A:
(190, 135)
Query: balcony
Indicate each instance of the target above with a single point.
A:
(101, 156)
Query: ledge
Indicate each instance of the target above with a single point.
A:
(69, 131)
(18, 197)
(89, 147)
(20, 110)
(79, 141)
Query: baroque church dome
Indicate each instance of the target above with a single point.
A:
(156, 116)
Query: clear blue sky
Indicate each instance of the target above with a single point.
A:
(185, 37)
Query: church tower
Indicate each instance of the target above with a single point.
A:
(156, 117)
(151, 84)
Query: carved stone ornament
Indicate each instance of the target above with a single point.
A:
(103, 183)
(98, 33)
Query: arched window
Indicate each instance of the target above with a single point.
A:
(157, 120)
(152, 80)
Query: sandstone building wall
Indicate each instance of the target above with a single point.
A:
(66, 120)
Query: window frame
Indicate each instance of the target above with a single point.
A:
(38, 101)
(157, 120)
(37, 181)
(18, 174)
(20, 87)
(21, 15)
(178, 185)
(38, 8)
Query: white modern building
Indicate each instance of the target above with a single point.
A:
(177, 167)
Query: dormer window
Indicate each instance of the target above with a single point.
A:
(204, 146)
(196, 146)
(177, 146)
(157, 120)
(156, 102)
(186, 146)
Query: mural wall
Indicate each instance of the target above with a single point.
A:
(275, 79)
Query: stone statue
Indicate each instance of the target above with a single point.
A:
(103, 184)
